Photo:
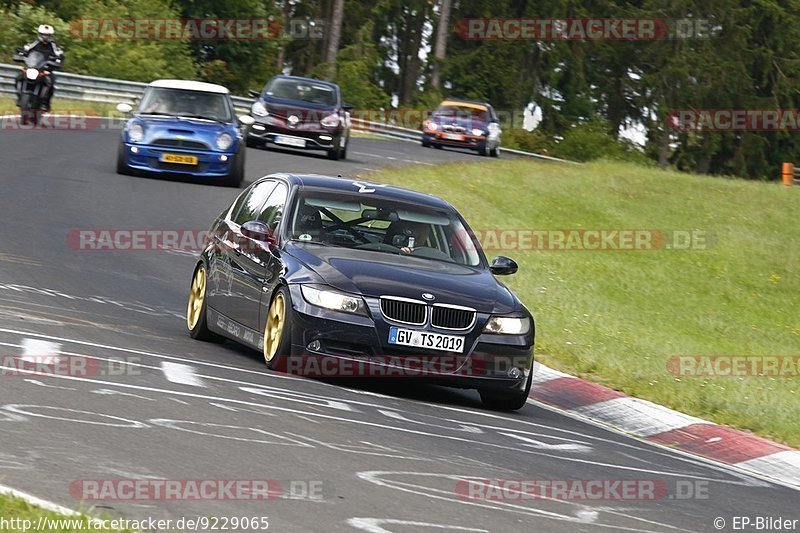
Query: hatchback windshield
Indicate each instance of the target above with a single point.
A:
(381, 225)
(304, 91)
(183, 103)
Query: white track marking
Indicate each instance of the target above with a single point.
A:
(545, 446)
(40, 351)
(783, 465)
(466, 428)
(25, 410)
(375, 525)
(42, 384)
(110, 392)
(639, 417)
(181, 374)
(265, 436)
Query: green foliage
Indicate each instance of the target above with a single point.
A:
(530, 141)
(591, 140)
(18, 27)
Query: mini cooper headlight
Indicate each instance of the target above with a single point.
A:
(136, 133)
(477, 133)
(224, 141)
(505, 325)
(430, 125)
(259, 110)
(333, 300)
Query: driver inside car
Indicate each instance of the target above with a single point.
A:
(407, 235)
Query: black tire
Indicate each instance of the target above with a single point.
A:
(494, 152)
(483, 152)
(236, 174)
(344, 149)
(426, 143)
(252, 143)
(284, 343)
(199, 330)
(122, 166)
(507, 401)
(335, 153)
(29, 111)
(437, 146)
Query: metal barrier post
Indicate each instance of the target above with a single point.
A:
(787, 174)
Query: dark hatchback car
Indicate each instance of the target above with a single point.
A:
(329, 273)
(463, 124)
(304, 113)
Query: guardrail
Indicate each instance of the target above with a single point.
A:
(111, 91)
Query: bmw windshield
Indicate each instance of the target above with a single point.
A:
(381, 225)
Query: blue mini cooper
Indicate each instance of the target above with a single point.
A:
(184, 127)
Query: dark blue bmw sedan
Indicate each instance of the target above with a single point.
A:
(334, 277)
(184, 127)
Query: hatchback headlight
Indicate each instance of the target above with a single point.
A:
(505, 325)
(224, 141)
(335, 301)
(136, 133)
(430, 125)
(259, 110)
(477, 133)
(331, 121)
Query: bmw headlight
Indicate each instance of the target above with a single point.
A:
(331, 121)
(224, 141)
(136, 133)
(505, 325)
(335, 301)
(477, 133)
(259, 110)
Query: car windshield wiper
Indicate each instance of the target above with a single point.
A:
(155, 114)
(304, 241)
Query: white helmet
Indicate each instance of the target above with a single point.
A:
(46, 33)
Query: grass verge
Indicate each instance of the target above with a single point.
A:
(18, 515)
(64, 106)
(618, 317)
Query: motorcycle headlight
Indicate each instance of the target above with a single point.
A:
(259, 110)
(477, 133)
(333, 300)
(224, 141)
(32, 74)
(505, 325)
(136, 133)
(331, 121)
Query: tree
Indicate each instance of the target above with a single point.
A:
(440, 48)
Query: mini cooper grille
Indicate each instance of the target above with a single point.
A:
(404, 311)
(180, 143)
(453, 127)
(452, 318)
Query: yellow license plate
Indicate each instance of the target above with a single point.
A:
(180, 159)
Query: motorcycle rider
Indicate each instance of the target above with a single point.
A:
(45, 45)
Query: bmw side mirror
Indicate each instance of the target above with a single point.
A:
(124, 108)
(254, 93)
(502, 266)
(348, 107)
(258, 231)
(246, 120)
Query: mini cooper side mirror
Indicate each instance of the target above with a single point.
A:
(502, 266)
(258, 231)
(124, 108)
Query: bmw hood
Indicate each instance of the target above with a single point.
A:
(376, 274)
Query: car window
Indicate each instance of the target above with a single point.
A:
(252, 202)
(273, 208)
(180, 102)
(306, 91)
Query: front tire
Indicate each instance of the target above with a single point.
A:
(197, 307)
(236, 174)
(494, 152)
(122, 165)
(277, 330)
(335, 153)
(507, 401)
(29, 112)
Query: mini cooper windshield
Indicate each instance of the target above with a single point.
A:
(187, 104)
(382, 225)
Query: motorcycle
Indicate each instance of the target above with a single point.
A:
(37, 67)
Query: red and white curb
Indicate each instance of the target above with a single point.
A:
(659, 424)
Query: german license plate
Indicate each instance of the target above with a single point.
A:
(426, 340)
(290, 141)
(453, 137)
(180, 159)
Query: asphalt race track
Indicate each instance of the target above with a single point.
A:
(344, 456)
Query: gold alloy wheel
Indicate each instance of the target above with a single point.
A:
(273, 331)
(197, 294)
